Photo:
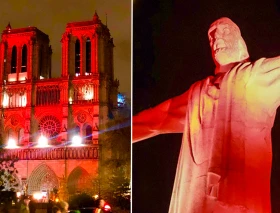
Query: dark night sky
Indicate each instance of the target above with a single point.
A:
(51, 16)
(170, 52)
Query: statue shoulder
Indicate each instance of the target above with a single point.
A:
(202, 83)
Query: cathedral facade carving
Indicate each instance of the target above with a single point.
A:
(33, 104)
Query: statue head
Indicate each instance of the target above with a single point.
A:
(226, 42)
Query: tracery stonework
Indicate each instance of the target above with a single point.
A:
(15, 120)
(50, 125)
(34, 104)
(82, 117)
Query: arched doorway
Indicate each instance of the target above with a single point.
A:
(79, 181)
(41, 179)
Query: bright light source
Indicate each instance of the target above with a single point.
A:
(70, 100)
(37, 195)
(76, 140)
(5, 100)
(12, 144)
(43, 141)
(107, 207)
(24, 100)
(18, 194)
(95, 197)
(88, 93)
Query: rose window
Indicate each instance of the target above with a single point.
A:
(49, 126)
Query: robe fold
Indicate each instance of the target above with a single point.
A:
(225, 158)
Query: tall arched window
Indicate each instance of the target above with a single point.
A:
(14, 60)
(21, 136)
(88, 132)
(77, 56)
(24, 59)
(41, 61)
(88, 56)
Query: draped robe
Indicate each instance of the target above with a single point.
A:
(225, 158)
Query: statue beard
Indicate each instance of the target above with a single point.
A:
(230, 54)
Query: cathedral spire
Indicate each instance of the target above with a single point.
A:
(8, 27)
(96, 19)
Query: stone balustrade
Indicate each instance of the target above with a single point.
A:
(52, 153)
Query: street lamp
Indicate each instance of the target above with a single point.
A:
(12, 144)
(76, 140)
(42, 141)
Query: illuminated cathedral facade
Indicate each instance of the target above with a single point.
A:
(51, 124)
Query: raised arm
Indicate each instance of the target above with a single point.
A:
(167, 117)
(268, 78)
(270, 64)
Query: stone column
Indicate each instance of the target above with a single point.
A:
(2, 61)
(65, 52)
(70, 58)
(29, 98)
(36, 61)
(94, 56)
(64, 102)
(30, 59)
(101, 54)
(63, 87)
(27, 131)
(9, 60)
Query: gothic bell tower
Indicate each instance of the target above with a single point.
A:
(87, 60)
(24, 54)
(87, 48)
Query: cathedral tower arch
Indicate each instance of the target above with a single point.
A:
(88, 56)
(24, 58)
(77, 57)
(14, 60)
(78, 180)
(42, 178)
(27, 54)
(87, 132)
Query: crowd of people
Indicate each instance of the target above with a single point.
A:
(27, 205)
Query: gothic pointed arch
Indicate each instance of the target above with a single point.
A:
(21, 136)
(79, 180)
(87, 130)
(24, 58)
(77, 57)
(42, 178)
(75, 131)
(88, 55)
(10, 134)
(14, 60)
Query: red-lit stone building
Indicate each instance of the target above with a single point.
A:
(34, 104)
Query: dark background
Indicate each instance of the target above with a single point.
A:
(170, 52)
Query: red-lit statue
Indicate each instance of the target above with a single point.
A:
(226, 120)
